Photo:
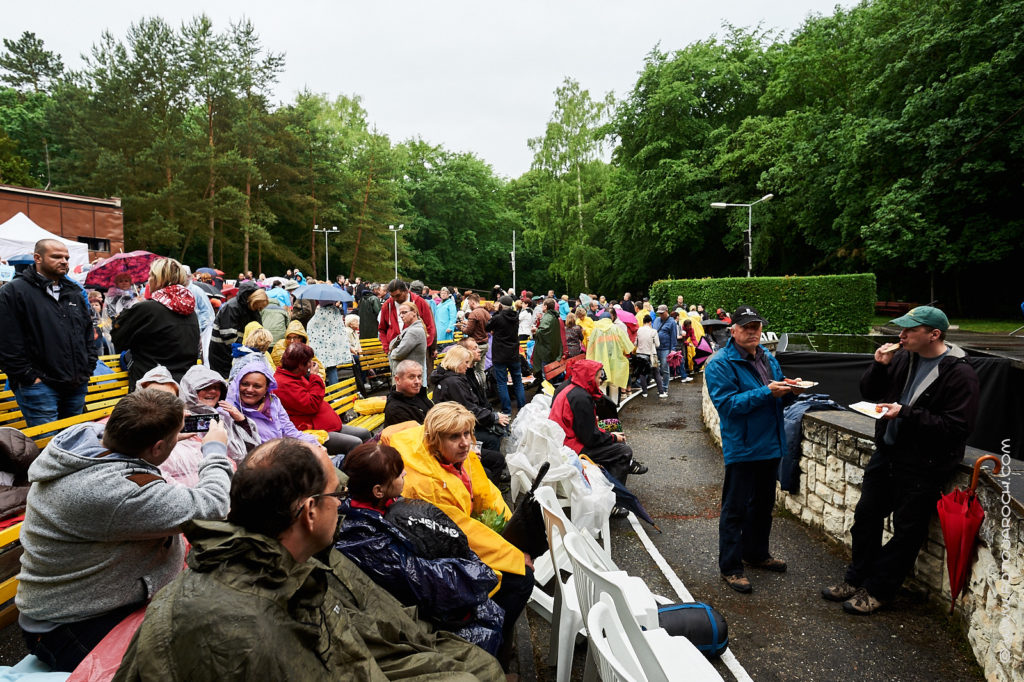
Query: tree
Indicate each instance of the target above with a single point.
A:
(28, 66)
(569, 151)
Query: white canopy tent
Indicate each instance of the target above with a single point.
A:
(19, 236)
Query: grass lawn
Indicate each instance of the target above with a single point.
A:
(986, 325)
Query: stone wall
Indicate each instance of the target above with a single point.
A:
(836, 447)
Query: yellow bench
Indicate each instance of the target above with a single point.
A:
(9, 544)
(43, 433)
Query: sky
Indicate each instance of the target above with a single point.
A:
(473, 76)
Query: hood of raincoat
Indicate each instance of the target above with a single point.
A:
(583, 373)
(295, 327)
(176, 298)
(73, 449)
(255, 364)
(199, 377)
(158, 375)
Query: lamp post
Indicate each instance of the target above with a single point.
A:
(750, 224)
(395, 230)
(333, 230)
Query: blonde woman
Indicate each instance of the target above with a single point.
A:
(163, 330)
(443, 469)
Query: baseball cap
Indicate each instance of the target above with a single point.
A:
(923, 315)
(662, 308)
(745, 315)
(505, 301)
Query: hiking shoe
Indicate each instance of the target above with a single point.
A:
(769, 564)
(861, 603)
(840, 592)
(663, 395)
(618, 512)
(740, 583)
(637, 468)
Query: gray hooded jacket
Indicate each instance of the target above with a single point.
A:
(242, 436)
(94, 539)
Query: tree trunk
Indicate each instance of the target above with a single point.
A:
(579, 211)
(362, 219)
(245, 223)
(209, 247)
(210, 188)
(312, 194)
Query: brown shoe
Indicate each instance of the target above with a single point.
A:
(769, 564)
(738, 583)
(862, 603)
(840, 592)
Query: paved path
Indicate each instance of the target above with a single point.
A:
(784, 630)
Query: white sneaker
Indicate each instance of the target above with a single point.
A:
(687, 379)
(663, 395)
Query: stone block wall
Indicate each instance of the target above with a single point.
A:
(836, 447)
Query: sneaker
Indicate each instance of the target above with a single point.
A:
(644, 394)
(663, 395)
(740, 583)
(687, 379)
(769, 564)
(840, 592)
(861, 603)
(637, 468)
(618, 512)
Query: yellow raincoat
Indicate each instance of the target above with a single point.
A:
(588, 327)
(426, 479)
(698, 334)
(609, 345)
(277, 352)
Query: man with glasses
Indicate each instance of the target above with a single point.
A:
(927, 395)
(265, 597)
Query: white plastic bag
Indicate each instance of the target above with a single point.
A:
(591, 498)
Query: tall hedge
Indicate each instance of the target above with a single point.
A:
(833, 304)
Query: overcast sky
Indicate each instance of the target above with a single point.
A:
(472, 75)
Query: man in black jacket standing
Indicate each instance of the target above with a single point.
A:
(927, 394)
(48, 351)
(504, 329)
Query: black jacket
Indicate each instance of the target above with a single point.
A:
(43, 337)
(504, 328)
(229, 325)
(156, 335)
(934, 427)
(369, 309)
(449, 385)
(401, 408)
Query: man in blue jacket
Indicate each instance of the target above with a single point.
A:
(746, 385)
(668, 332)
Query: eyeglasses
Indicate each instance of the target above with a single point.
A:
(339, 495)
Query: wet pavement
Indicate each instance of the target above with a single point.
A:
(784, 630)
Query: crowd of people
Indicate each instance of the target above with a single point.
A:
(314, 534)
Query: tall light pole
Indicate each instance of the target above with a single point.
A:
(333, 230)
(750, 225)
(395, 231)
(513, 261)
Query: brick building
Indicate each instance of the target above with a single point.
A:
(99, 223)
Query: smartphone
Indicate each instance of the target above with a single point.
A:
(199, 423)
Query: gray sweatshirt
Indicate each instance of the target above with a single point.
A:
(94, 540)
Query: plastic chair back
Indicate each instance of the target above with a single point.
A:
(610, 646)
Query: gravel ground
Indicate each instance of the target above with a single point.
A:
(784, 630)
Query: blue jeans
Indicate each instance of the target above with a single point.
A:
(332, 376)
(501, 378)
(664, 370)
(42, 404)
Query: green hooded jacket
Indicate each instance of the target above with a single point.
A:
(246, 610)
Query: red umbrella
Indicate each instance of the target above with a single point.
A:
(135, 263)
(961, 515)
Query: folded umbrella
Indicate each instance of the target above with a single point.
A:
(525, 530)
(961, 515)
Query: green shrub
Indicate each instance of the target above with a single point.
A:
(831, 304)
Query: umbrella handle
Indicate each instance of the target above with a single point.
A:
(977, 468)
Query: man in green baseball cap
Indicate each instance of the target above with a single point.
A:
(923, 315)
(926, 394)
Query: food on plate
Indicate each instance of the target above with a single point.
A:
(800, 383)
(879, 408)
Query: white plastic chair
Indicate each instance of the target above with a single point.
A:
(663, 658)
(610, 646)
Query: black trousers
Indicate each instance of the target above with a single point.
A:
(745, 524)
(65, 647)
(512, 597)
(910, 496)
(615, 457)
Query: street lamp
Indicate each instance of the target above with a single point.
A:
(333, 230)
(395, 231)
(750, 224)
